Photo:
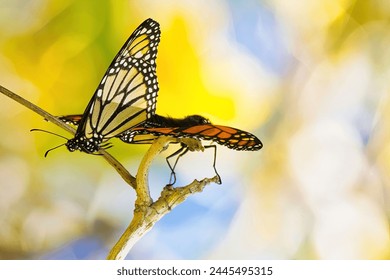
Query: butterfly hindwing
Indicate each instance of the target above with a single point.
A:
(71, 119)
(230, 137)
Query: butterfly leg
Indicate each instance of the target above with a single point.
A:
(215, 161)
(180, 152)
(106, 146)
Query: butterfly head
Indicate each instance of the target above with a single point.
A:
(83, 144)
(196, 120)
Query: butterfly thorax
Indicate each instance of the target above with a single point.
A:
(160, 121)
(87, 145)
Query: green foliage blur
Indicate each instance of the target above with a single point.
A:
(309, 78)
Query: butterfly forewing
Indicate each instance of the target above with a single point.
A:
(127, 94)
(233, 138)
(230, 137)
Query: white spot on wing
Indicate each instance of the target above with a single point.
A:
(104, 79)
(138, 54)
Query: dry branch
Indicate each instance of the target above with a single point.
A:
(49, 117)
(146, 211)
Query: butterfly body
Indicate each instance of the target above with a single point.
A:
(160, 121)
(89, 146)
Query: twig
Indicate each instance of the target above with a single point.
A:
(122, 171)
(146, 212)
(36, 109)
(49, 117)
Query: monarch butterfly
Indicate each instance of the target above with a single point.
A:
(126, 96)
(194, 126)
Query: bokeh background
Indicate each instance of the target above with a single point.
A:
(310, 78)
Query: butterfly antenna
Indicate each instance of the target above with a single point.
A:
(104, 146)
(54, 148)
(49, 132)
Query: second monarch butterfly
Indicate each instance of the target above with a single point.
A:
(193, 126)
(126, 95)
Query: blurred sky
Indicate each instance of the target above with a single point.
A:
(309, 78)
